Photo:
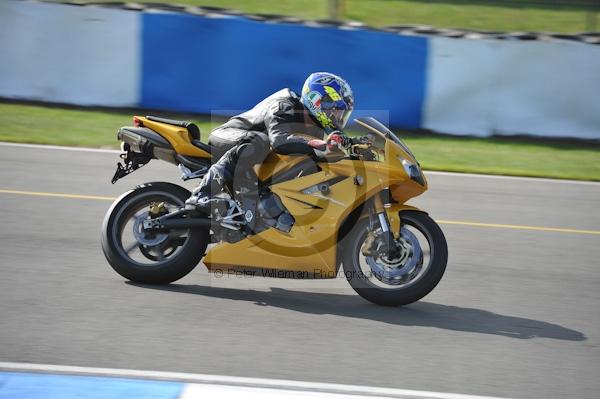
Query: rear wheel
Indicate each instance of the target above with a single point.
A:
(407, 277)
(146, 257)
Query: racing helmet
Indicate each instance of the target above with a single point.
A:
(329, 99)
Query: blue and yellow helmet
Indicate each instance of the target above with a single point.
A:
(329, 99)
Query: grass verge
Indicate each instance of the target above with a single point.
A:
(503, 156)
(462, 14)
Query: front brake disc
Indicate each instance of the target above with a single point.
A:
(394, 271)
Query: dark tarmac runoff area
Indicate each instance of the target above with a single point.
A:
(517, 313)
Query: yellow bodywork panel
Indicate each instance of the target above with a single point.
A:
(275, 163)
(311, 244)
(393, 214)
(177, 136)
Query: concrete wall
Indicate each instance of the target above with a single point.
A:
(484, 87)
(69, 54)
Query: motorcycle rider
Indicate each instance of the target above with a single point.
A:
(284, 122)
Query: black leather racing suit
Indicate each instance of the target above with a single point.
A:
(246, 139)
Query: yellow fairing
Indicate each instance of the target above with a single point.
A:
(177, 136)
(311, 244)
(276, 163)
(393, 214)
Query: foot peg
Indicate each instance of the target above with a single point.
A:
(207, 205)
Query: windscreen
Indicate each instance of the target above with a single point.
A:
(374, 126)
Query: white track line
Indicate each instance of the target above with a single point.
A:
(502, 177)
(286, 385)
(58, 147)
(434, 173)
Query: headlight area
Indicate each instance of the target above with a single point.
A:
(413, 171)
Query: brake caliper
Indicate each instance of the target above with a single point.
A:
(382, 244)
(370, 246)
(157, 209)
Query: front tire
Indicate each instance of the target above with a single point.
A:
(161, 259)
(420, 282)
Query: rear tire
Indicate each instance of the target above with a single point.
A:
(396, 295)
(177, 263)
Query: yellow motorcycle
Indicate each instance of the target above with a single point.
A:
(299, 218)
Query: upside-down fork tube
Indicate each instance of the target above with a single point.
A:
(380, 211)
(387, 236)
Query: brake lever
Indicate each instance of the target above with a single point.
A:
(363, 140)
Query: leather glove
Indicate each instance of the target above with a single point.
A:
(339, 139)
(320, 147)
(335, 141)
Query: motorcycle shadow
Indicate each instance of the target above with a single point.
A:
(420, 314)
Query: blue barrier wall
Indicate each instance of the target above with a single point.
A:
(206, 65)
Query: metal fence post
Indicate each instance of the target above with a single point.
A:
(336, 9)
(592, 16)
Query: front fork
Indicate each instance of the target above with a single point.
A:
(380, 242)
(381, 214)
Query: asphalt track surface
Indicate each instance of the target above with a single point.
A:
(516, 315)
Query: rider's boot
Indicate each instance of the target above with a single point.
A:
(204, 198)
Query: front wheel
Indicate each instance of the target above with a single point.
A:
(147, 257)
(412, 273)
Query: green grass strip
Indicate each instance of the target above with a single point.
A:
(462, 14)
(504, 156)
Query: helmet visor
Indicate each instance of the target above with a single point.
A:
(339, 117)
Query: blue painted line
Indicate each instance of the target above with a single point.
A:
(15, 385)
(227, 65)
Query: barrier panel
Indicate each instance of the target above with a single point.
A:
(206, 64)
(176, 61)
(69, 54)
(485, 87)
